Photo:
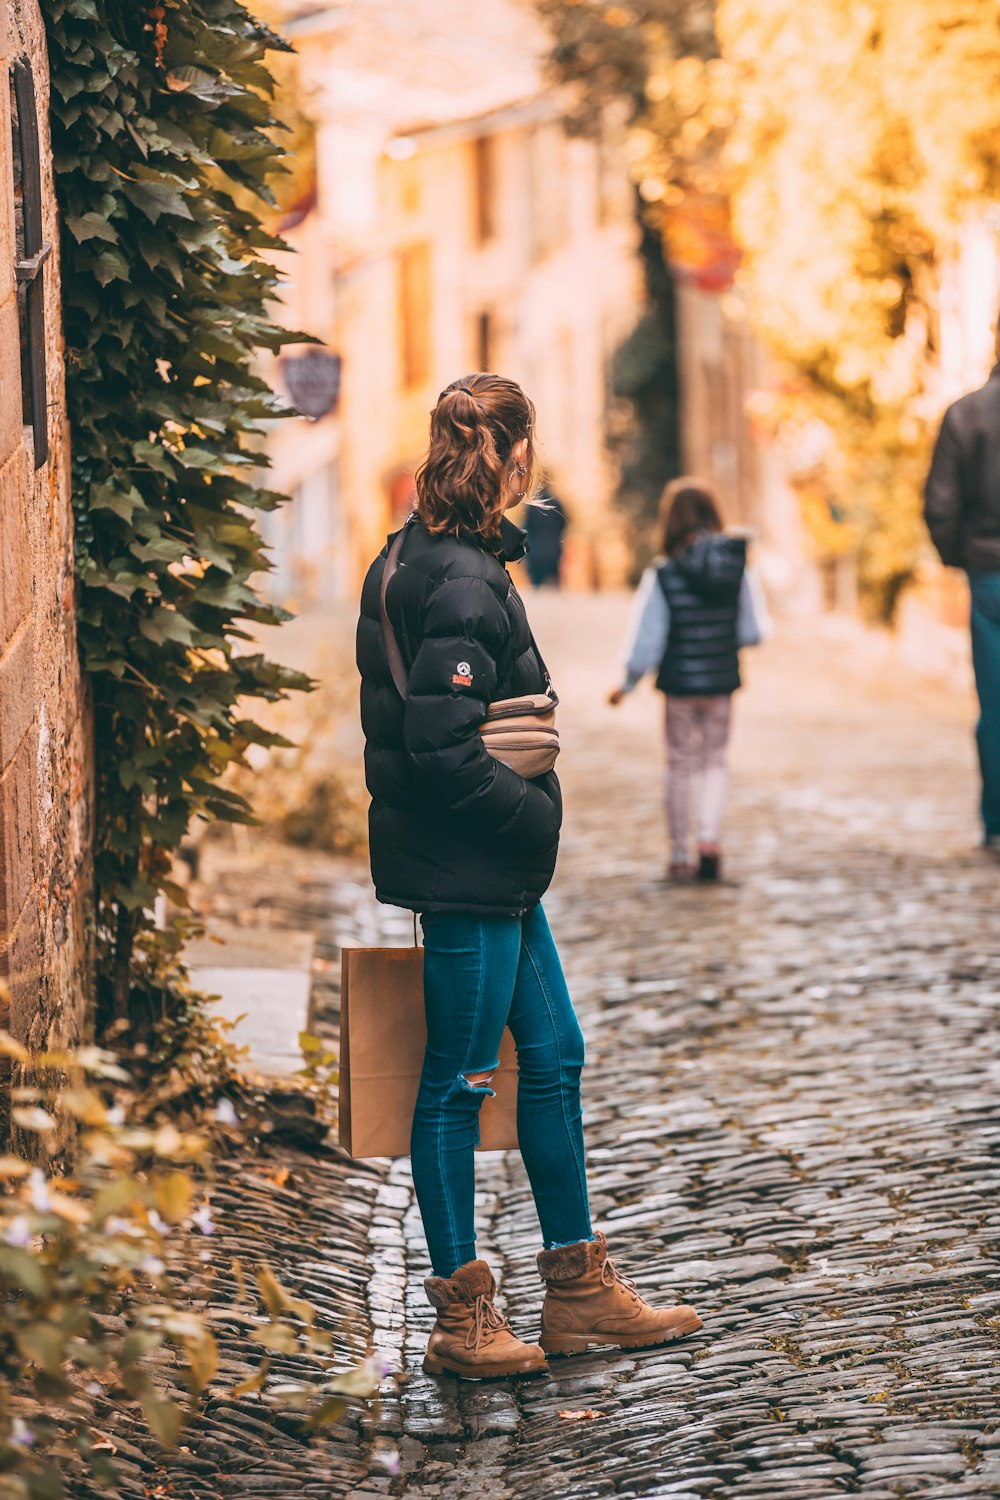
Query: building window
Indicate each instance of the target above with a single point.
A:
(410, 194)
(548, 190)
(415, 314)
(485, 350)
(484, 187)
(32, 253)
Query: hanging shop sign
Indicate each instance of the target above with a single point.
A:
(313, 381)
(700, 245)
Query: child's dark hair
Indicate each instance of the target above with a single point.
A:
(688, 507)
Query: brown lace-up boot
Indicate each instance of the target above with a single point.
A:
(471, 1338)
(588, 1301)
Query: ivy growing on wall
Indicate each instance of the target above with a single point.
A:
(162, 134)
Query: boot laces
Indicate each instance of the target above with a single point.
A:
(487, 1322)
(611, 1276)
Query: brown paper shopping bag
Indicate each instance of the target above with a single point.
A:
(383, 1034)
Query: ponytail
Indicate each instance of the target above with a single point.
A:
(464, 483)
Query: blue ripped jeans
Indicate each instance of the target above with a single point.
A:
(480, 975)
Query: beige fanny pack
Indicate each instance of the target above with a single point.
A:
(520, 732)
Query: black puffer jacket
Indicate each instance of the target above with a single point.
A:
(962, 498)
(452, 829)
(702, 588)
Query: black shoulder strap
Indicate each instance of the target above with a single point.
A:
(534, 646)
(393, 654)
(545, 671)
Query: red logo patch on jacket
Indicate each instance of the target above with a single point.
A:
(463, 675)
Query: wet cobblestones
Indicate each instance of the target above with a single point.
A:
(792, 1120)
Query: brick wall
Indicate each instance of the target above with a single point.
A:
(44, 741)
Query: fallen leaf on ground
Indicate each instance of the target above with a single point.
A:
(581, 1416)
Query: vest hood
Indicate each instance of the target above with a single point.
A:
(714, 566)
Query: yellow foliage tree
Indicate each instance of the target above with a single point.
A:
(863, 136)
(849, 140)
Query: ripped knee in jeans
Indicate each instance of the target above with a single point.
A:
(472, 1087)
(478, 1081)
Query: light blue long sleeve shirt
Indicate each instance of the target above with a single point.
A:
(649, 630)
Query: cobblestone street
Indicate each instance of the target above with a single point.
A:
(791, 1102)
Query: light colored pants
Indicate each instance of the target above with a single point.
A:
(697, 736)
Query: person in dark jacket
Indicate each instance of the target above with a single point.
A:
(545, 525)
(962, 507)
(467, 842)
(695, 609)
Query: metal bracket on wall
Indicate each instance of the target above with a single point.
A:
(30, 270)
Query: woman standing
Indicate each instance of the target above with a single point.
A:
(470, 844)
(694, 611)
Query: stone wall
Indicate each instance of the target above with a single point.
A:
(45, 803)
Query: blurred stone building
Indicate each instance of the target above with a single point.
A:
(448, 224)
(44, 765)
(727, 384)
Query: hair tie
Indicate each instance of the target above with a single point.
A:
(465, 388)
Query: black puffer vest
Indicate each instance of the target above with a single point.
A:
(452, 829)
(702, 589)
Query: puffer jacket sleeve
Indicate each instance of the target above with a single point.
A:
(453, 677)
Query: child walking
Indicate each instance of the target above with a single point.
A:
(695, 609)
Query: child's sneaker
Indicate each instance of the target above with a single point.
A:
(680, 873)
(709, 866)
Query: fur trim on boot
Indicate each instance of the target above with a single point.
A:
(470, 1337)
(567, 1262)
(588, 1301)
(474, 1279)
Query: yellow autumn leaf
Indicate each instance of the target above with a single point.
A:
(9, 1047)
(173, 1193)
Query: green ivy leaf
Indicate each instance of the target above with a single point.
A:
(162, 625)
(90, 226)
(156, 198)
(168, 279)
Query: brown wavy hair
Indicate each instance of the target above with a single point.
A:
(464, 483)
(688, 506)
